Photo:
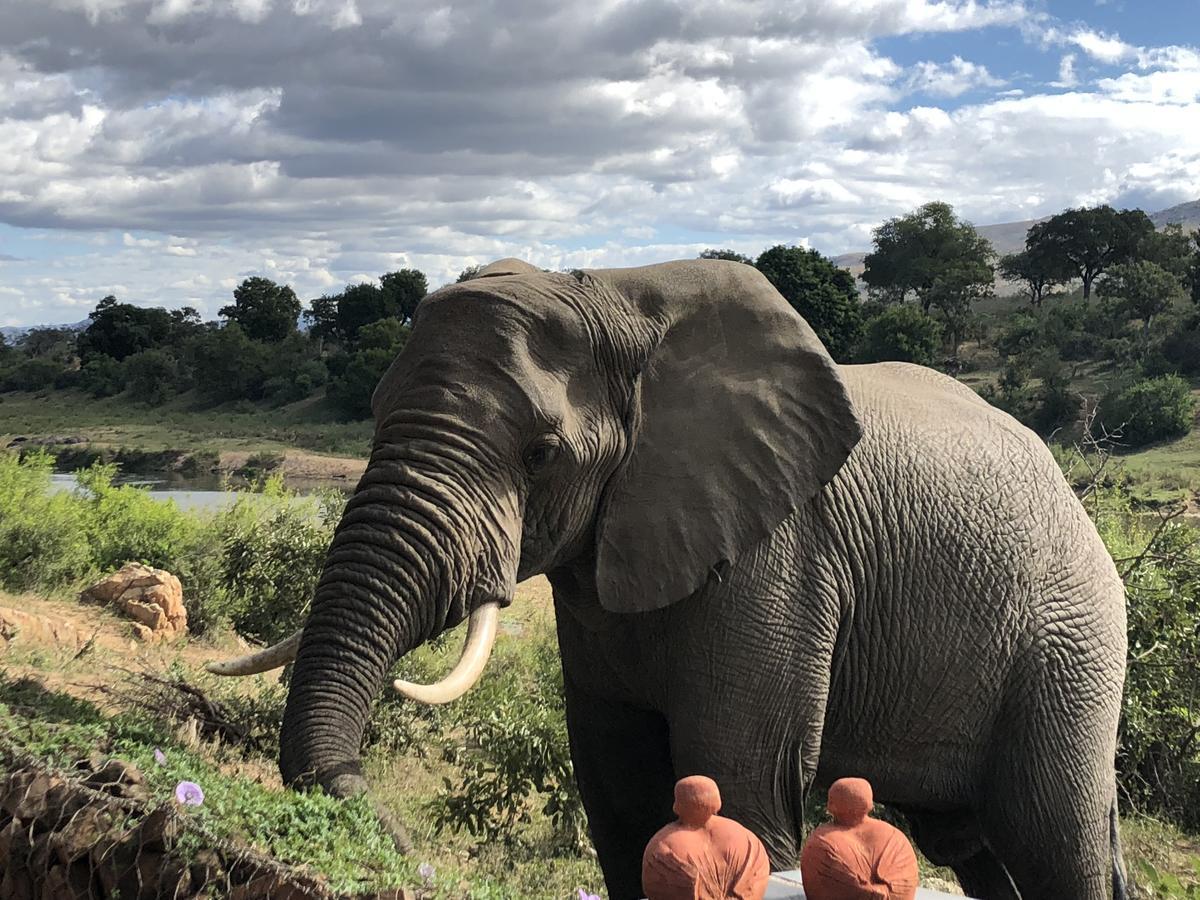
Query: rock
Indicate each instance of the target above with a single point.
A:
(16, 624)
(153, 598)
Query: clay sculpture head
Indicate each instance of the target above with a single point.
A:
(856, 857)
(703, 856)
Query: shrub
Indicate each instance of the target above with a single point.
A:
(901, 332)
(512, 751)
(43, 543)
(102, 376)
(1022, 332)
(32, 375)
(152, 376)
(1152, 409)
(351, 391)
(1181, 347)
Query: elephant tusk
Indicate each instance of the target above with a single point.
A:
(260, 661)
(481, 635)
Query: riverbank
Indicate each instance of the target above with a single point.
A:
(305, 442)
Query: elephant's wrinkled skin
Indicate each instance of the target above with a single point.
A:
(767, 569)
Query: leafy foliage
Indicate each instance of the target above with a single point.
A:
(1151, 409)
(266, 311)
(902, 333)
(821, 292)
(1089, 241)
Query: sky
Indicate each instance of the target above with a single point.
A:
(163, 150)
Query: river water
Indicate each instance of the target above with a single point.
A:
(205, 492)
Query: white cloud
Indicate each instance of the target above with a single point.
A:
(178, 146)
(950, 80)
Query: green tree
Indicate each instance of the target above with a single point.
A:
(1171, 249)
(821, 292)
(930, 254)
(322, 318)
(1037, 270)
(152, 376)
(470, 273)
(359, 305)
(404, 289)
(731, 255)
(902, 333)
(1089, 241)
(119, 330)
(228, 364)
(378, 343)
(1192, 276)
(266, 311)
(102, 376)
(1145, 289)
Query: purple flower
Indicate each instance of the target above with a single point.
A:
(189, 793)
(160, 757)
(584, 895)
(426, 871)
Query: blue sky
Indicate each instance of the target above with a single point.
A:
(162, 150)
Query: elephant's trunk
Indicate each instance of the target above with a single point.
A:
(412, 556)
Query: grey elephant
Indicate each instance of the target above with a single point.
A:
(767, 568)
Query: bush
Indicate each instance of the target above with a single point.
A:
(1181, 348)
(32, 375)
(102, 376)
(512, 751)
(43, 542)
(903, 333)
(1021, 332)
(152, 376)
(351, 391)
(1158, 757)
(1152, 409)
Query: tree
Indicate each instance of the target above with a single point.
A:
(1037, 270)
(821, 292)
(359, 305)
(935, 256)
(903, 333)
(322, 318)
(1145, 289)
(119, 330)
(404, 289)
(1170, 248)
(470, 273)
(379, 343)
(229, 364)
(1192, 278)
(1089, 241)
(152, 376)
(731, 255)
(266, 311)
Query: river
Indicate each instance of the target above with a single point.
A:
(204, 492)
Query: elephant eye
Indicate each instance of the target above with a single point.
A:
(541, 452)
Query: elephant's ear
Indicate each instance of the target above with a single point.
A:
(740, 416)
(508, 266)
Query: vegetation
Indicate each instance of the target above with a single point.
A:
(821, 292)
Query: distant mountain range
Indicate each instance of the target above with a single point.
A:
(12, 332)
(1009, 237)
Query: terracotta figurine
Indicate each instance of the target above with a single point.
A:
(703, 856)
(856, 857)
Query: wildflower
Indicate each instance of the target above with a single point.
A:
(160, 757)
(189, 793)
(426, 871)
(584, 895)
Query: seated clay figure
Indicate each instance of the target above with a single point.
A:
(856, 857)
(703, 856)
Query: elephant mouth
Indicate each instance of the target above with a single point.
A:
(482, 627)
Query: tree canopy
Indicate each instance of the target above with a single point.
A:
(1088, 241)
(931, 254)
(731, 255)
(820, 291)
(266, 311)
(120, 329)
(1037, 270)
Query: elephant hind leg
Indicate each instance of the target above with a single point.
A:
(954, 839)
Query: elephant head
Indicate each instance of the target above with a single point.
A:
(649, 423)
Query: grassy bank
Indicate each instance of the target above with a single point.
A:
(183, 423)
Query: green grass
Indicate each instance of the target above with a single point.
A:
(183, 423)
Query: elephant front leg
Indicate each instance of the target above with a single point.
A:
(622, 762)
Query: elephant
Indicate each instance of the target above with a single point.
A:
(767, 568)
